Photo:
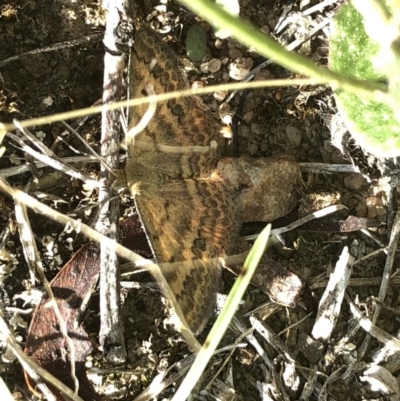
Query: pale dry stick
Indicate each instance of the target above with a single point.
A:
(316, 388)
(387, 272)
(374, 238)
(20, 311)
(291, 326)
(268, 363)
(319, 281)
(34, 262)
(5, 392)
(332, 298)
(311, 380)
(51, 48)
(292, 226)
(38, 143)
(265, 310)
(48, 152)
(334, 376)
(388, 357)
(6, 127)
(271, 338)
(371, 328)
(370, 255)
(155, 387)
(227, 359)
(326, 168)
(23, 168)
(32, 368)
(53, 162)
(111, 335)
(25, 235)
(123, 252)
(357, 282)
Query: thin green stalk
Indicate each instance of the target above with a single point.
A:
(225, 317)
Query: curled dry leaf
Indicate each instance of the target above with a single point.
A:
(72, 285)
(45, 342)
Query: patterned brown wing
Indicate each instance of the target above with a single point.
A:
(185, 213)
(188, 221)
(184, 139)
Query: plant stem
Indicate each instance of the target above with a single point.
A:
(267, 47)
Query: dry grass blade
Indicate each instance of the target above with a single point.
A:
(275, 382)
(391, 254)
(35, 265)
(54, 162)
(316, 215)
(23, 168)
(373, 330)
(331, 301)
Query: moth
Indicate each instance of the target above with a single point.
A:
(187, 216)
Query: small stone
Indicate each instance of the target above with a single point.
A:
(249, 62)
(244, 131)
(225, 113)
(361, 209)
(311, 348)
(373, 204)
(264, 75)
(218, 43)
(252, 149)
(235, 53)
(304, 4)
(257, 129)
(265, 29)
(187, 65)
(214, 65)
(248, 116)
(238, 69)
(220, 95)
(338, 157)
(48, 101)
(294, 136)
(197, 85)
(204, 68)
(354, 181)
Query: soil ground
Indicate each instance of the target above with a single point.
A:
(294, 120)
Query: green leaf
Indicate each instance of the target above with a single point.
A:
(352, 52)
(196, 43)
